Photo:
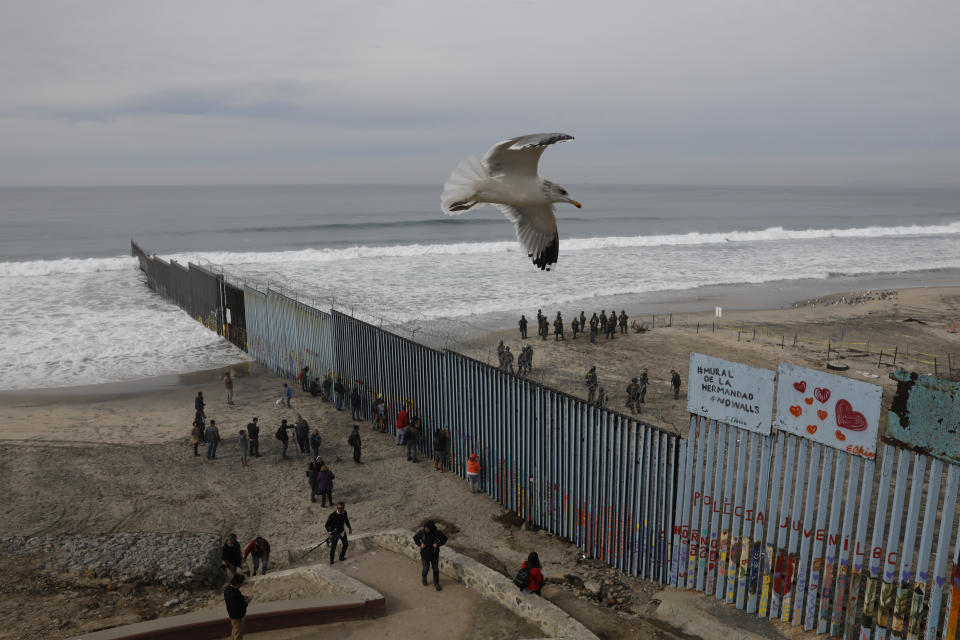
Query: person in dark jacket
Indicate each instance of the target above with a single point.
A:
(327, 386)
(675, 383)
(338, 392)
(301, 428)
(411, 438)
(283, 437)
(336, 523)
(315, 441)
(253, 432)
(198, 404)
(430, 539)
(441, 442)
(236, 606)
(523, 327)
(231, 556)
(356, 403)
(354, 441)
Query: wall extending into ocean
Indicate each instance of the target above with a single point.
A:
(794, 523)
(598, 478)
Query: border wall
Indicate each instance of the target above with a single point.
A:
(787, 524)
(598, 478)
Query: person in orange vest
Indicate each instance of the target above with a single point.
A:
(473, 473)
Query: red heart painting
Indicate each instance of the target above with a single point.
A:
(848, 418)
(839, 435)
(811, 429)
(808, 400)
(822, 414)
(800, 386)
(821, 394)
(796, 410)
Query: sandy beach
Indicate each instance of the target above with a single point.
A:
(117, 458)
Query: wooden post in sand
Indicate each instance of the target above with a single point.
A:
(698, 328)
(880, 359)
(781, 341)
(934, 365)
(895, 349)
(671, 320)
(794, 340)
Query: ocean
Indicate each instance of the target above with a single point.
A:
(76, 309)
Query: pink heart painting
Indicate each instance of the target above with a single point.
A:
(800, 386)
(821, 394)
(848, 418)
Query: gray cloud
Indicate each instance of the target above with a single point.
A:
(746, 91)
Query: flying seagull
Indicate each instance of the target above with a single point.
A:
(507, 178)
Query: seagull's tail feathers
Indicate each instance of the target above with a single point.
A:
(460, 190)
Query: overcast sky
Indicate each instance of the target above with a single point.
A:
(321, 91)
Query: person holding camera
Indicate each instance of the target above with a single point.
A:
(336, 523)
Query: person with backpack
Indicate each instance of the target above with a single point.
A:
(530, 577)
(430, 539)
(283, 437)
(356, 403)
(253, 432)
(354, 441)
(324, 483)
(301, 429)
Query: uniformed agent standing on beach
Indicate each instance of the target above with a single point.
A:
(523, 327)
(558, 328)
(583, 322)
(675, 383)
(591, 384)
(603, 321)
(633, 395)
(593, 329)
(574, 327)
(644, 381)
(507, 360)
(623, 321)
(612, 325)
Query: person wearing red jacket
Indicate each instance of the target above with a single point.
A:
(260, 550)
(535, 581)
(403, 419)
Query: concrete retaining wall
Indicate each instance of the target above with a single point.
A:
(552, 620)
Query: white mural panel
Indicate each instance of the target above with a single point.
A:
(833, 410)
(730, 392)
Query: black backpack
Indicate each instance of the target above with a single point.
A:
(522, 578)
(279, 433)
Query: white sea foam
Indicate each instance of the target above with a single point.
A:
(771, 234)
(80, 321)
(31, 268)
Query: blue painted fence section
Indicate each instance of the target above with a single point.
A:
(925, 415)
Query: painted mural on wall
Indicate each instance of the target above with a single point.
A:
(832, 410)
(730, 392)
(925, 415)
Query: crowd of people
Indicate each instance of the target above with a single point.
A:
(308, 440)
(636, 390)
(598, 324)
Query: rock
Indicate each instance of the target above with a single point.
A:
(171, 603)
(574, 580)
(593, 588)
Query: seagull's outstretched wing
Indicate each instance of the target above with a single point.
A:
(536, 231)
(519, 156)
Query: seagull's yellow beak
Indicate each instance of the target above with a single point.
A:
(574, 203)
